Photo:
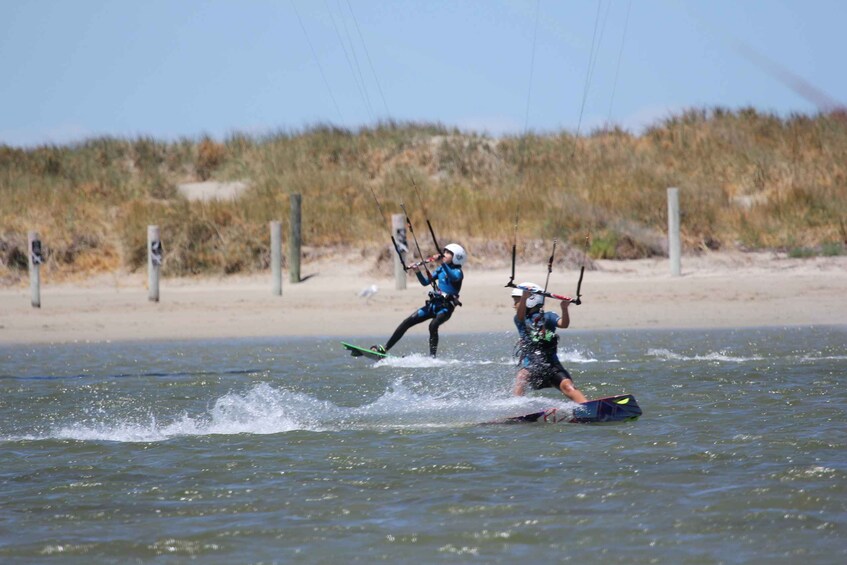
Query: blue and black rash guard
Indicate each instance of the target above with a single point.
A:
(448, 279)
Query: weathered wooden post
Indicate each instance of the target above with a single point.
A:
(36, 257)
(398, 229)
(154, 262)
(276, 258)
(294, 240)
(674, 246)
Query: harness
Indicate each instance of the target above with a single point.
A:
(438, 296)
(539, 341)
(441, 297)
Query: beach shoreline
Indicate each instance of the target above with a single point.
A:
(715, 290)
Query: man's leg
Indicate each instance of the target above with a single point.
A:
(567, 388)
(520, 382)
(439, 319)
(415, 318)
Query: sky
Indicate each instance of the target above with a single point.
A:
(172, 69)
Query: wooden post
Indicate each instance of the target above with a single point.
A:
(154, 262)
(36, 257)
(398, 229)
(294, 240)
(276, 258)
(674, 246)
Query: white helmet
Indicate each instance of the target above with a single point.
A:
(459, 255)
(534, 300)
(518, 291)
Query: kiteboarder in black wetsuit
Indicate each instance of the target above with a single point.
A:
(443, 298)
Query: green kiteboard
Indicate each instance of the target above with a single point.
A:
(357, 351)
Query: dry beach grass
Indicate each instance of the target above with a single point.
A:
(747, 180)
(763, 201)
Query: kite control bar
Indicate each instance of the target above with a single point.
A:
(546, 294)
(430, 259)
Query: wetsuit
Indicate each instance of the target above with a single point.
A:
(537, 350)
(442, 301)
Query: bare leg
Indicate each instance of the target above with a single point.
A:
(520, 382)
(571, 391)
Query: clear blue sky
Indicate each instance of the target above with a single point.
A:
(70, 70)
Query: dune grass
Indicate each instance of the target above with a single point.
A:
(747, 180)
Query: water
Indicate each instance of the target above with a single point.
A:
(282, 451)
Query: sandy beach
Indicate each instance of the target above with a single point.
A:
(719, 290)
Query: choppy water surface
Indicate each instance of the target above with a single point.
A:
(279, 451)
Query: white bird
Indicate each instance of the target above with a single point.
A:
(368, 291)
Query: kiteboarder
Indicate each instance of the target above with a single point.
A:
(446, 283)
(537, 348)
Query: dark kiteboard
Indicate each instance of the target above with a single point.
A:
(611, 409)
(357, 351)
